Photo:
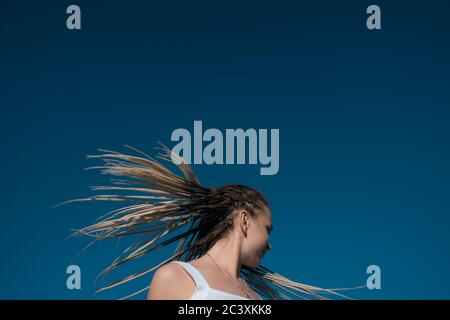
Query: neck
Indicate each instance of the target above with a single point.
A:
(225, 253)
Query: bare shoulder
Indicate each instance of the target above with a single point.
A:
(168, 277)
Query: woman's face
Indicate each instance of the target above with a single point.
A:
(257, 242)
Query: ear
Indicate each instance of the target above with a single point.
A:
(244, 221)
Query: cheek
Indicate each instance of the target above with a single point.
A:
(260, 239)
(255, 242)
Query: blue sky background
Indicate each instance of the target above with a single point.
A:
(363, 118)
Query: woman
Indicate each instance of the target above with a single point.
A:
(217, 257)
(242, 239)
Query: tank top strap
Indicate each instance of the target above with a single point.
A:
(199, 280)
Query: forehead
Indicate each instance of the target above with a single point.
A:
(265, 214)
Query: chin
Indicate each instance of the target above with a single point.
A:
(257, 262)
(253, 264)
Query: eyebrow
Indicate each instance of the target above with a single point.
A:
(270, 228)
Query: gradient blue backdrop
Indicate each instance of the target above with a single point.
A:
(363, 118)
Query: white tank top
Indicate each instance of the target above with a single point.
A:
(203, 291)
